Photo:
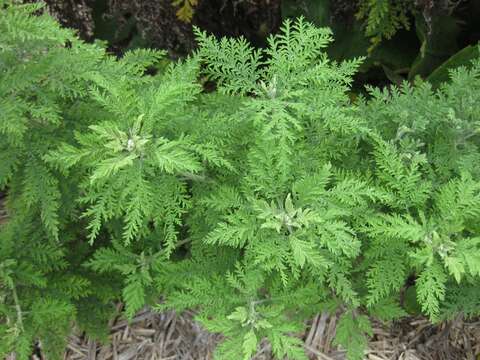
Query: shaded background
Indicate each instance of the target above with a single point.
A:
(400, 39)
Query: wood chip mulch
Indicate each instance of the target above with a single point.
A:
(171, 336)
(149, 335)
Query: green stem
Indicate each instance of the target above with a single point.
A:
(17, 307)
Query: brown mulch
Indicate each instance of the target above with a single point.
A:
(170, 336)
(149, 335)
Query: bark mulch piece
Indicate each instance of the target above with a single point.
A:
(171, 336)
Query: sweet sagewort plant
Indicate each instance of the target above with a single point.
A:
(258, 205)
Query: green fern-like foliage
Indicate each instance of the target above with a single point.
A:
(284, 213)
(43, 82)
(258, 205)
(383, 18)
(433, 151)
(91, 152)
(329, 192)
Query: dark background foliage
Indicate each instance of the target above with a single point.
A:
(400, 39)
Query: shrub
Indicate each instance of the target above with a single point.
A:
(259, 204)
